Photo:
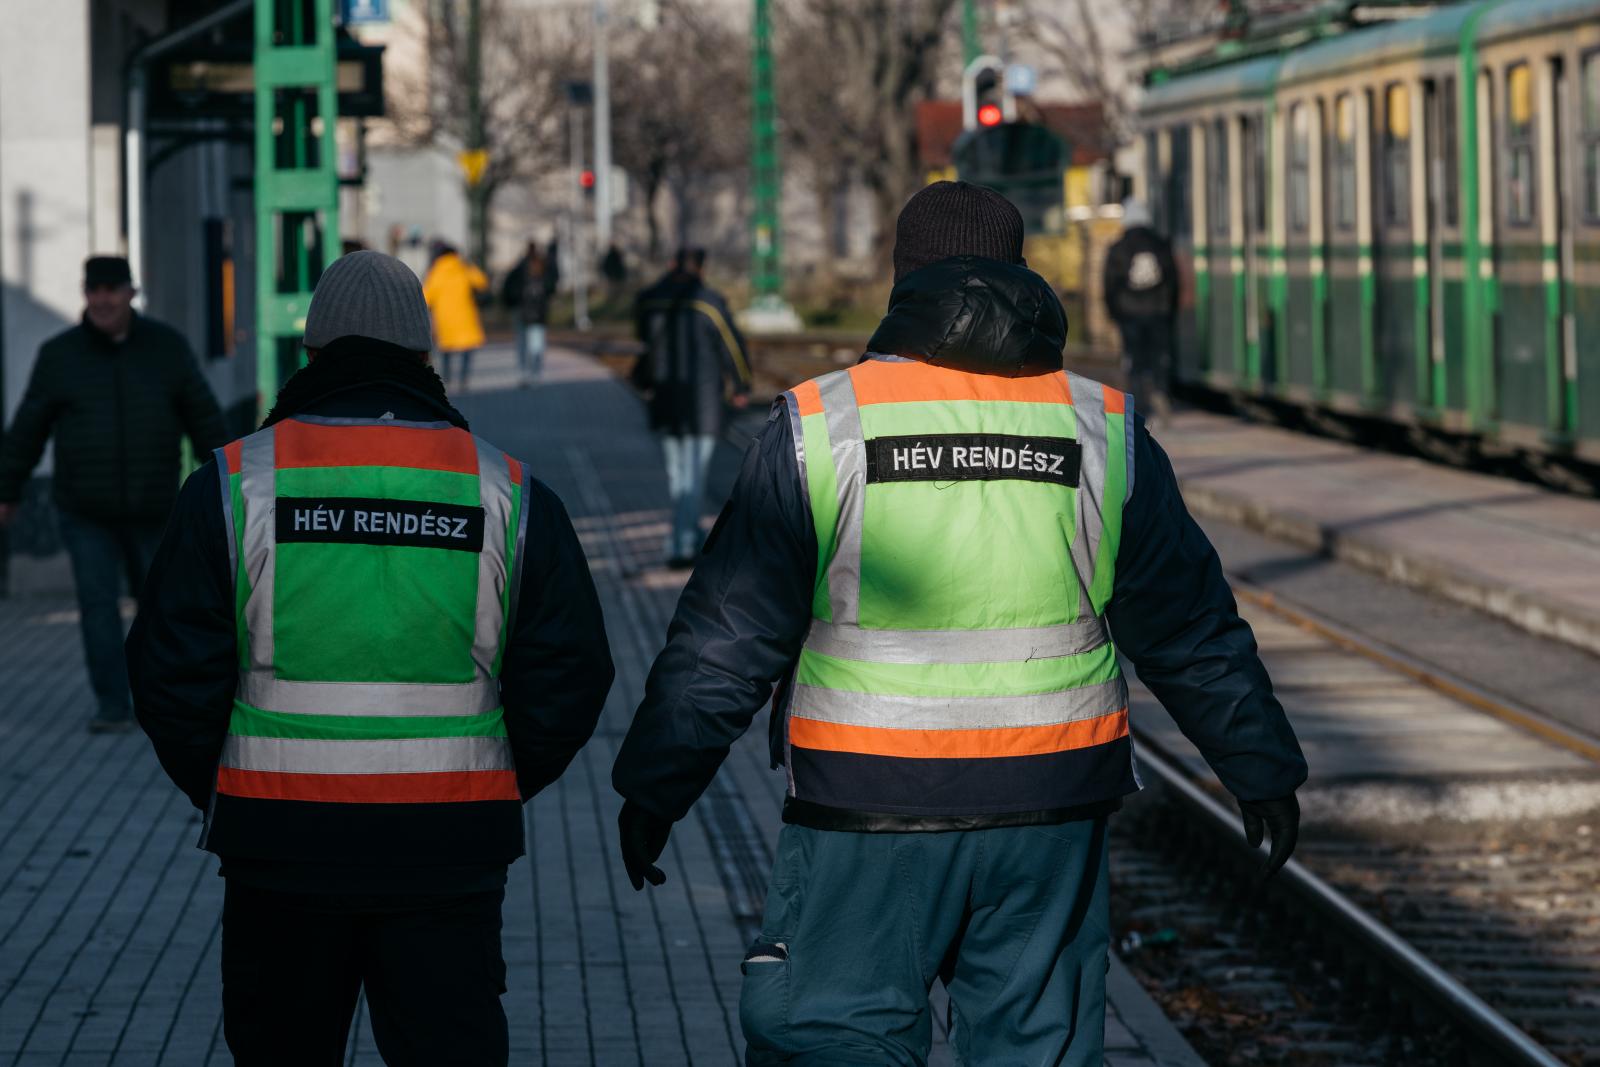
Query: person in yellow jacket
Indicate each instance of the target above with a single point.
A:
(451, 289)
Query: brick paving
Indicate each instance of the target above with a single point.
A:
(109, 917)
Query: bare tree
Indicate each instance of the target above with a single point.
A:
(525, 58)
(680, 114)
(853, 72)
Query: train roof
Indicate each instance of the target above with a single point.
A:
(1510, 19)
(1408, 39)
(1252, 78)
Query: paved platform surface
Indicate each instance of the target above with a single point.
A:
(109, 917)
(1527, 554)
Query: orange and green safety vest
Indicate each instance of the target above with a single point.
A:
(958, 660)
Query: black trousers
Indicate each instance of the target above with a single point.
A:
(294, 963)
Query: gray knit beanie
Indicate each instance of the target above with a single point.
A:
(955, 219)
(369, 294)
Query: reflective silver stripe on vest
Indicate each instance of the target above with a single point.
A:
(848, 445)
(1089, 410)
(521, 551)
(959, 713)
(227, 514)
(791, 407)
(957, 646)
(261, 690)
(409, 755)
(1127, 433)
(494, 492)
(258, 480)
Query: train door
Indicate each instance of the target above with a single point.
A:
(1222, 316)
(1394, 311)
(1559, 230)
(1447, 377)
(1301, 357)
(1346, 237)
(1522, 378)
(1256, 325)
(1584, 308)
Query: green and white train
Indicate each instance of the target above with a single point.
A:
(1398, 223)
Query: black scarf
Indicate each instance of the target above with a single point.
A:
(358, 363)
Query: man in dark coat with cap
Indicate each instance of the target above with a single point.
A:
(118, 392)
(922, 567)
(370, 637)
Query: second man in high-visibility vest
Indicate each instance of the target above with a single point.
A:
(369, 637)
(930, 555)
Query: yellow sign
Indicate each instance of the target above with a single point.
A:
(473, 164)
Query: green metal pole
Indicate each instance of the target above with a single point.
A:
(766, 178)
(971, 38)
(475, 190)
(297, 196)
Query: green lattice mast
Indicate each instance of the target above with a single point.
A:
(767, 272)
(297, 178)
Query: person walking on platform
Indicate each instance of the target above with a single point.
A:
(928, 554)
(1141, 291)
(452, 287)
(370, 637)
(118, 391)
(527, 293)
(693, 357)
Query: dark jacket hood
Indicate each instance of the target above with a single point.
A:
(977, 315)
(360, 365)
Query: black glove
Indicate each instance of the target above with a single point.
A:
(1282, 818)
(644, 836)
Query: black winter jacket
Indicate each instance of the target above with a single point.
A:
(692, 348)
(743, 617)
(183, 669)
(1141, 277)
(118, 412)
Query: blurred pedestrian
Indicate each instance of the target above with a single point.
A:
(370, 637)
(451, 288)
(1141, 293)
(527, 292)
(118, 391)
(693, 357)
(921, 569)
(614, 269)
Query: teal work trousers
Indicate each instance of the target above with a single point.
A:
(1014, 921)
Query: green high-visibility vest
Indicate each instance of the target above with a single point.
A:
(958, 660)
(375, 567)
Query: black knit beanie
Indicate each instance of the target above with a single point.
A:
(955, 219)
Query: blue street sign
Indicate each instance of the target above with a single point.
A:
(1021, 79)
(363, 12)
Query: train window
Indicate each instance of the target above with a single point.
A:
(1257, 185)
(1396, 155)
(1344, 162)
(1449, 146)
(1519, 166)
(1220, 194)
(1181, 181)
(1299, 168)
(1591, 136)
(1153, 184)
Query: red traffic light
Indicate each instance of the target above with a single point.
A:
(989, 115)
(586, 179)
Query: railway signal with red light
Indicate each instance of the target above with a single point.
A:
(990, 115)
(586, 179)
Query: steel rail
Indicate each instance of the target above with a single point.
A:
(1436, 678)
(1492, 1032)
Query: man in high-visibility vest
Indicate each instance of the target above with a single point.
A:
(929, 555)
(368, 638)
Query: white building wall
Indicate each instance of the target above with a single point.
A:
(45, 178)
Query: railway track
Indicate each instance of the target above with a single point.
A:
(1440, 942)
